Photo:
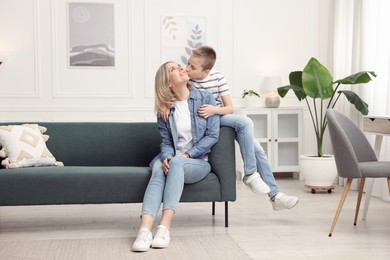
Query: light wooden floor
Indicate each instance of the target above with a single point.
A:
(300, 233)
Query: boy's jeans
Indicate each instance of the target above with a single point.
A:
(168, 189)
(252, 153)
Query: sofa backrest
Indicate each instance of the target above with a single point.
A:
(102, 143)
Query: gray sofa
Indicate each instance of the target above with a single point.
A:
(109, 163)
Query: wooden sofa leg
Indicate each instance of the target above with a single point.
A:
(226, 214)
(213, 208)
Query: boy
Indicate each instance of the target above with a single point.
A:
(202, 76)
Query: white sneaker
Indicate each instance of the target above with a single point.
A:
(162, 237)
(143, 240)
(256, 184)
(283, 201)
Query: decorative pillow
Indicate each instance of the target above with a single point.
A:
(24, 146)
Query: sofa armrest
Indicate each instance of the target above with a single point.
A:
(223, 163)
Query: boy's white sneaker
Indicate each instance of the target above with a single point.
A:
(283, 201)
(143, 241)
(162, 237)
(256, 184)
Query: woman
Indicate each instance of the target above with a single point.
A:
(186, 140)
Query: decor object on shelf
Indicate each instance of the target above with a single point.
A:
(316, 82)
(251, 98)
(269, 87)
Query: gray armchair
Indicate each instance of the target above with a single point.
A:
(355, 158)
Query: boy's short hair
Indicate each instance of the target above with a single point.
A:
(208, 54)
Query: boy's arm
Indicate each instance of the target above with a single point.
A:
(209, 110)
(164, 113)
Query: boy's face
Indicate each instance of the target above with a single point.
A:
(195, 69)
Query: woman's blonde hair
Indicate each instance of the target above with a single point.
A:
(164, 98)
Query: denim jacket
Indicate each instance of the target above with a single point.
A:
(205, 131)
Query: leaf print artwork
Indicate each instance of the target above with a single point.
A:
(170, 26)
(193, 43)
(180, 35)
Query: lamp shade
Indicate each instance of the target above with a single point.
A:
(271, 83)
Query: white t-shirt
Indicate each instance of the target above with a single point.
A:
(215, 83)
(183, 124)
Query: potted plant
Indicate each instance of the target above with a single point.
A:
(316, 86)
(250, 97)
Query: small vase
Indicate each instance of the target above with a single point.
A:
(251, 101)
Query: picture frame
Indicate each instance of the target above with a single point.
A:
(91, 34)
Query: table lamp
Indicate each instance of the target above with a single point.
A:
(269, 88)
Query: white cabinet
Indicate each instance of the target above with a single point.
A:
(279, 132)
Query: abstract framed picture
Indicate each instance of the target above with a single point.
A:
(180, 35)
(91, 34)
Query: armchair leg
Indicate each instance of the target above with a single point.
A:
(362, 180)
(388, 183)
(341, 203)
(226, 214)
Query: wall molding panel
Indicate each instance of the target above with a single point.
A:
(92, 82)
(26, 86)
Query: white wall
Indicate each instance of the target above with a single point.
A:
(253, 39)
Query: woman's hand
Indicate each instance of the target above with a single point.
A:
(166, 165)
(206, 110)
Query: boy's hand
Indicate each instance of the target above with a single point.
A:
(207, 111)
(164, 113)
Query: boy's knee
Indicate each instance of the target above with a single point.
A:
(245, 123)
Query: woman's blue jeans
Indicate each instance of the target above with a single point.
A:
(252, 153)
(168, 188)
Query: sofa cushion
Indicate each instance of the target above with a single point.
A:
(73, 185)
(24, 146)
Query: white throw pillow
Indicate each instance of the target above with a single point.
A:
(24, 146)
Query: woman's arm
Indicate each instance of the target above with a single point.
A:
(166, 146)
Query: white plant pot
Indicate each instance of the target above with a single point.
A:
(251, 101)
(318, 171)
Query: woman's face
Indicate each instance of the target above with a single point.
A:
(176, 74)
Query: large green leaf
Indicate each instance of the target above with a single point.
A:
(297, 90)
(295, 78)
(357, 78)
(317, 80)
(355, 100)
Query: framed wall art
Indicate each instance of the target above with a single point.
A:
(180, 35)
(91, 34)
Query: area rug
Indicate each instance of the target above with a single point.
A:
(218, 246)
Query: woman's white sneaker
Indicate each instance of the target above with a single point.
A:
(162, 237)
(143, 241)
(256, 184)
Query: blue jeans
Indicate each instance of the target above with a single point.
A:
(252, 153)
(168, 188)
